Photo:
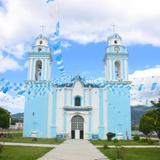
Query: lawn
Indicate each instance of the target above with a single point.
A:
(134, 153)
(17, 137)
(123, 142)
(22, 153)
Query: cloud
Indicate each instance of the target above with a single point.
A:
(8, 64)
(82, 21)
(146, 78)
(17, 50)
(13, 104)
(65, 44)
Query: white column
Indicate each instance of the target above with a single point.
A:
(110, 64)
(30, 69)
(45, 69)
(33, 69)
(49, 70)
(126, 69)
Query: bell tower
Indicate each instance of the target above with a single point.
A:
(40, 60)
(116, 60)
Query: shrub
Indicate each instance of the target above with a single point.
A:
(105, 146)
(110, 135)
(1, 148)
(115, 140)
(148, 141)
(136, 138)
(144, 140)
(119, 152)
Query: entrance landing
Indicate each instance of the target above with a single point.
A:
(74, 150)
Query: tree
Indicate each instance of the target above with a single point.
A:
(157, 118)
(147, 124)
(4, 118)
(110, 135)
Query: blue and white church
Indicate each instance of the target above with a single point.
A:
(79, 109)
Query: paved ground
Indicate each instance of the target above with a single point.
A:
(74, 150)
(28, 144)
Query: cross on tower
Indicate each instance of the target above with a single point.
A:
(43, 28)
(114, 27)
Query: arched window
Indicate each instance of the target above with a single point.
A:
(77, 101)
(38, 74)
(117, 70)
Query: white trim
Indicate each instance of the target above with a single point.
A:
(30, 69)
(45, 70)
(126, 69)
(110, 64)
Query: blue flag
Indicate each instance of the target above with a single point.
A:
(140, 87)
(57, 29)
(154, 85)
(49, 1)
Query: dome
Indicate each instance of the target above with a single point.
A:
(114, 39)
(41, 41)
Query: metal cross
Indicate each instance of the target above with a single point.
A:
(114, 27)
(43, 28)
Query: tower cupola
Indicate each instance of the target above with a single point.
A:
(40, 59)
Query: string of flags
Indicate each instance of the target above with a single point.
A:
(55, 46)
(50, 1)
(41, 88)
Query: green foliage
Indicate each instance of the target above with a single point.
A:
(4, 118)
(123, 142)
(17, 137)
(119, 152)
(147, 124)
(16, 120)
(136, 138)
(105, 146)
(147, 141)
(150, 122)
(22, 153)
(1, 148)
(150, 141)
(110, 135)
(115, 141)
(134, 153)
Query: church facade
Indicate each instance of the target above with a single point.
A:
(79, 109)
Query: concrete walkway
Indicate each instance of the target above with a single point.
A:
(28, 144)
(74, 150)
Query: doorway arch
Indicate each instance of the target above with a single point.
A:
(77, 127)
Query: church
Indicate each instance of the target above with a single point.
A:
(79, 109)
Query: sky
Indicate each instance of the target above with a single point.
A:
(84, 28)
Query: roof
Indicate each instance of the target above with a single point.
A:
(86, 83)
(115, 36)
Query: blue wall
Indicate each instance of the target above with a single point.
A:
(37, 122)
(119, 114)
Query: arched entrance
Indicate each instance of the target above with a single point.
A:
(77, 127)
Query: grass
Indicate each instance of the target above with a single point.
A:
(134, 153)
(122, 142)
(22, 153)
(17, 137)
